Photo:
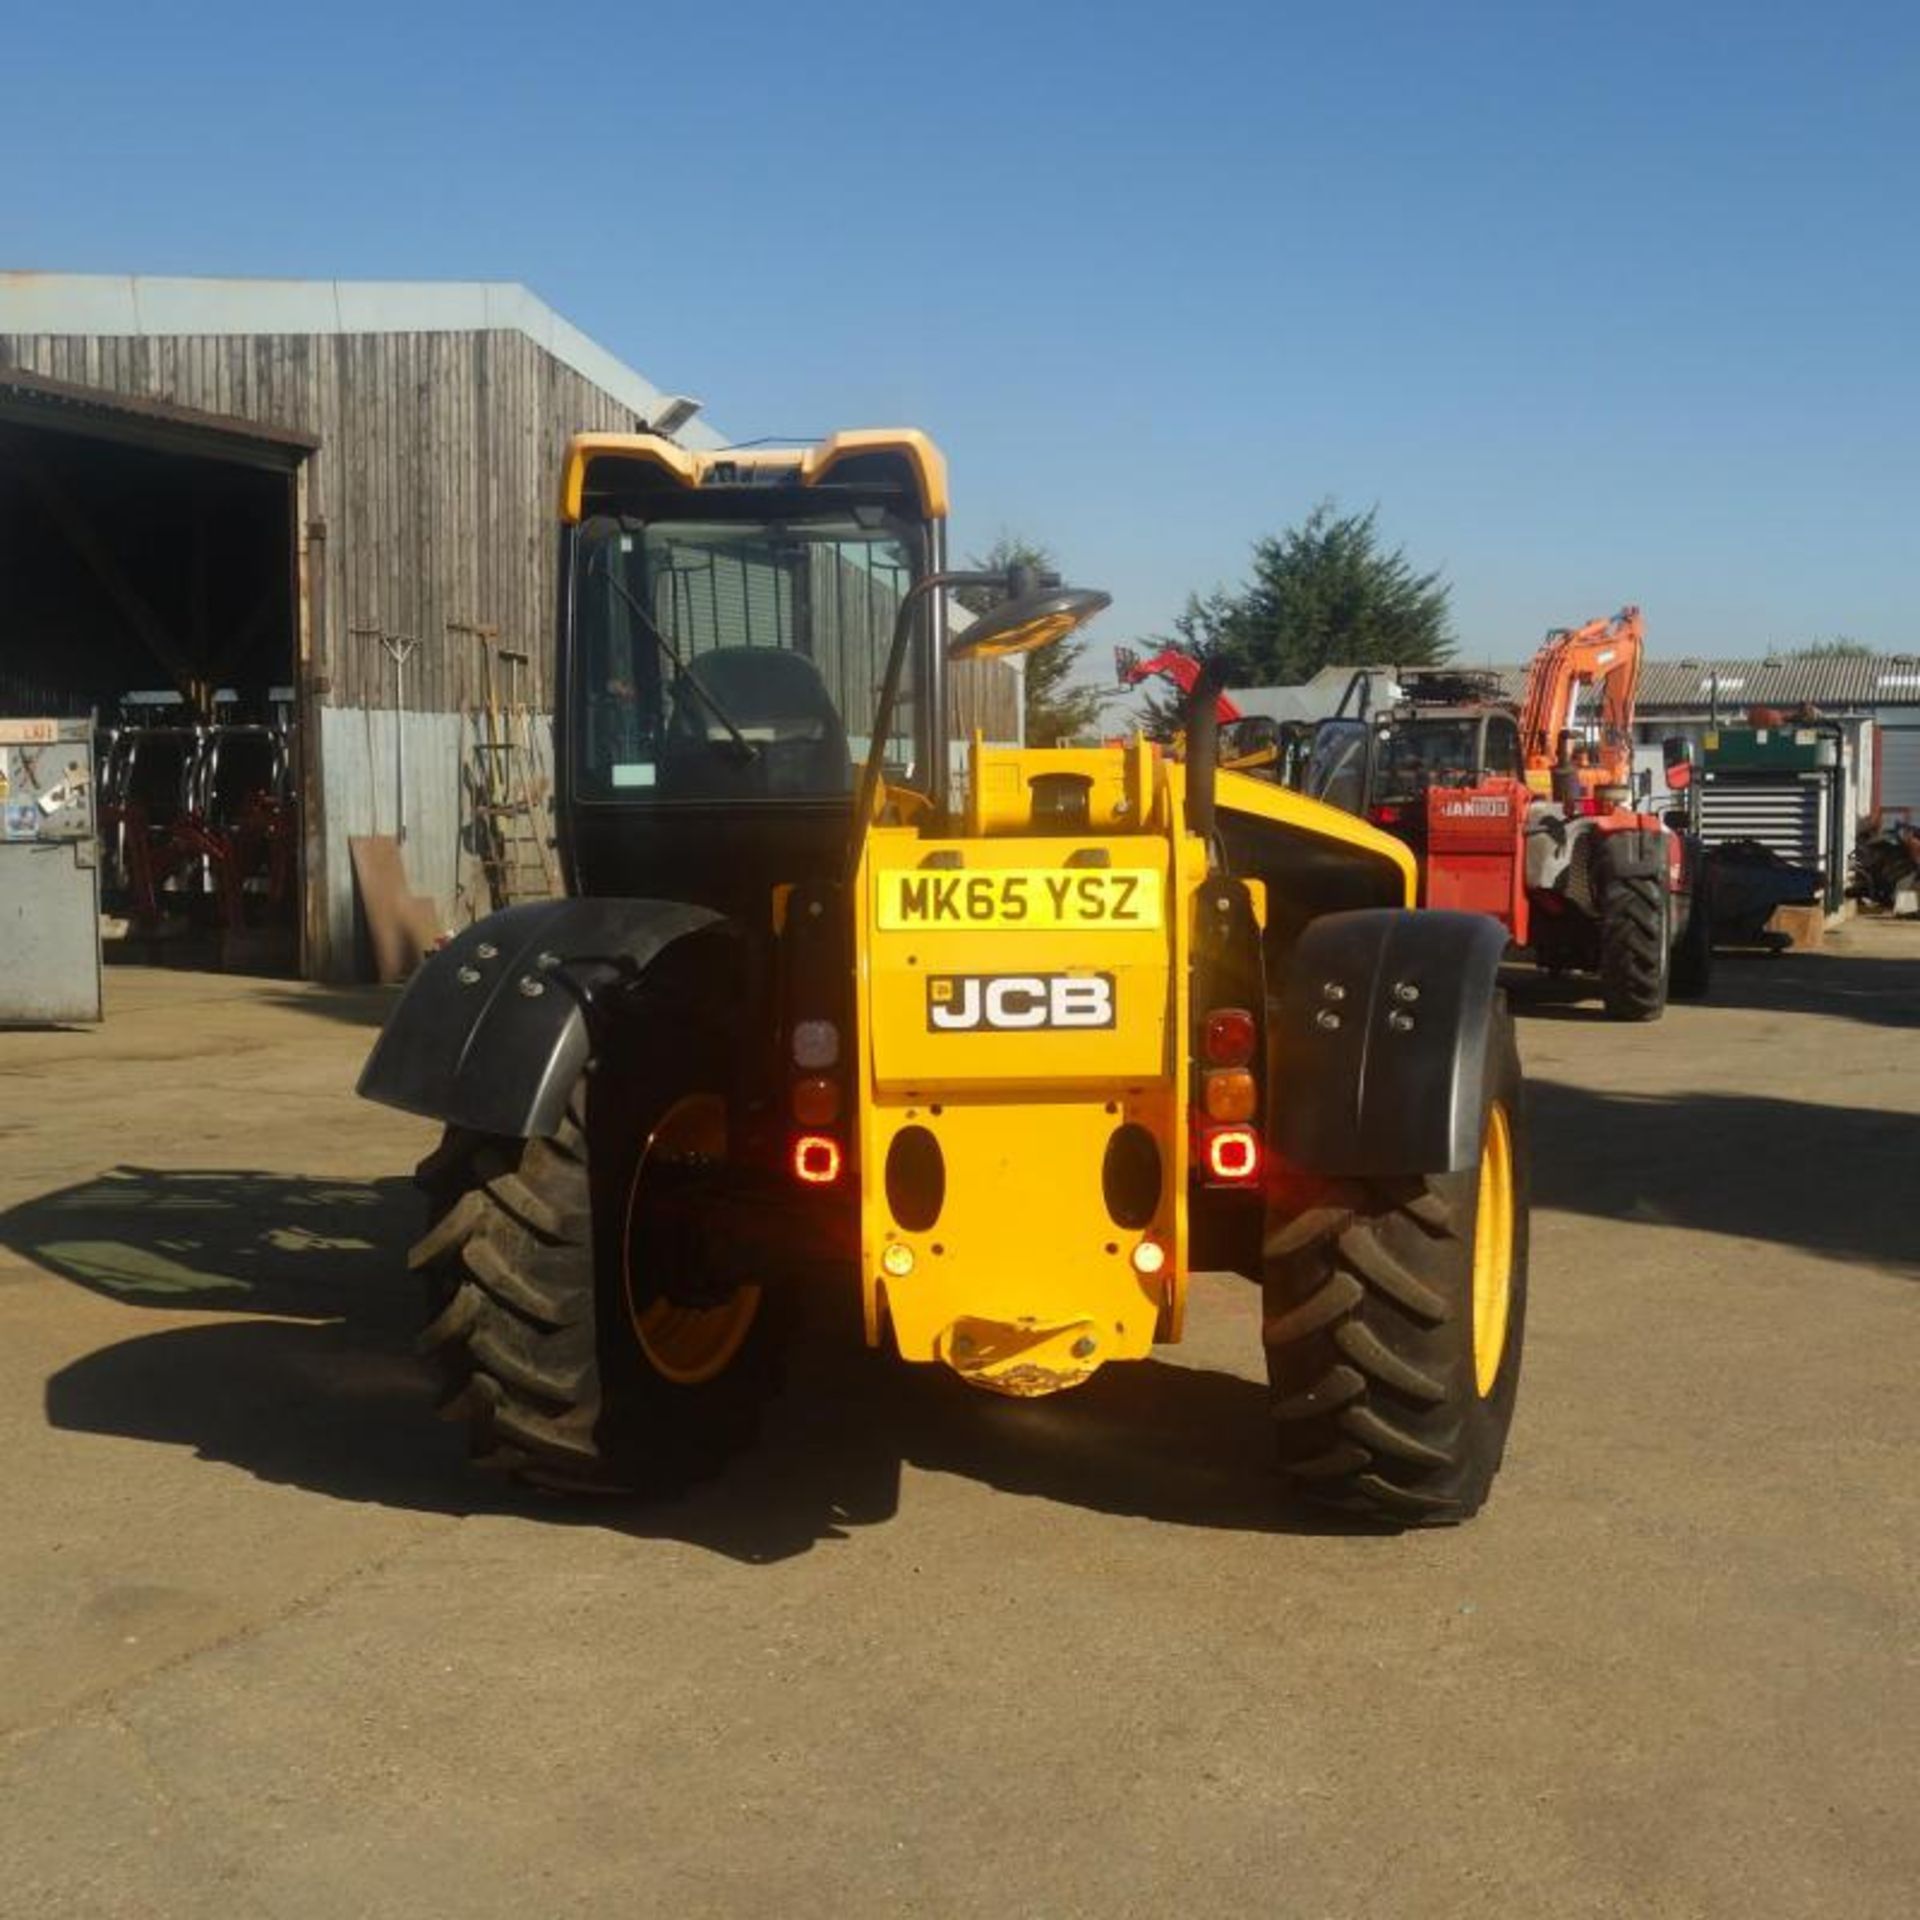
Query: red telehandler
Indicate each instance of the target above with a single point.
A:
(1535, 816)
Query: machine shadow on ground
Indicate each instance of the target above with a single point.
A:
(1875, 989)
(1844, 986)
(352, 1006)
(228, 1241)
(1837, 1181)
(317, 1386)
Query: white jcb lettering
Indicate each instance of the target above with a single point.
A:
(1084, 1002)
(956, 1007)
(1013, 1002)
(1018, 1002)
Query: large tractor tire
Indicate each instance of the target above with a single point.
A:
(1634, 955)
(568, 1322)
(1393, 1318)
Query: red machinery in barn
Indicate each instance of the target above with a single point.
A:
(199, 827)
(1535, 816)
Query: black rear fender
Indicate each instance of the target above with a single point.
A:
(493, 1031)
(1378, 1042)
(1634, 853)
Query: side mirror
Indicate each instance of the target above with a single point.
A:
(1028, 620)
(1676, 754)
(1255, 734)
(1254, 746)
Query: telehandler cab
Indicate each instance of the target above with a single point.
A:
(994, 1055)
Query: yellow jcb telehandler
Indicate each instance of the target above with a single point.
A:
(995, 1046)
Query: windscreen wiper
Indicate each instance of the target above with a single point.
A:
(683, 674)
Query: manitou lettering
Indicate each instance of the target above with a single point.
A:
(1018, 1002)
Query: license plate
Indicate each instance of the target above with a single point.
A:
(1110, 898)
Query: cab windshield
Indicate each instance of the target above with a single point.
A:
(1418, 754)
(736, 660)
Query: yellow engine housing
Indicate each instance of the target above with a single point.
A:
(1023, 994)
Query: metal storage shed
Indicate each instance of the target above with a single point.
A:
(1869, 745)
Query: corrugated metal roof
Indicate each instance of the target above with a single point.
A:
(1836, 682)
(1785, 680)
(122, 305)
(1315, 698)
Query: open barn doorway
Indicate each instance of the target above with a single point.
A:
(148, 580)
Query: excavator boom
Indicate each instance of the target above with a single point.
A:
(1603, 654)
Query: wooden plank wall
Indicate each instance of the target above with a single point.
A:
(985, 695)
(435, 480)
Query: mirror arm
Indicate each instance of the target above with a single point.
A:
(875, 768)
(1020, 579)
(1203, 747)
(1014, 584)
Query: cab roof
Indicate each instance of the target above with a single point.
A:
(610, 465)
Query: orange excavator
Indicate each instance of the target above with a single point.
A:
(1535, 816)
(1595, 668)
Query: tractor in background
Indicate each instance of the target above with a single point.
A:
(1534, 816)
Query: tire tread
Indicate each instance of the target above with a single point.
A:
(1367, 1321)
(1633, 947)
(510, 1275)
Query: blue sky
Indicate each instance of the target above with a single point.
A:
(1596, 303)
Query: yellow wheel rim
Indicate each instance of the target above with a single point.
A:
(687, 1345)
(1493, 1250)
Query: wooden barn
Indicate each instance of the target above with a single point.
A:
(226, 505)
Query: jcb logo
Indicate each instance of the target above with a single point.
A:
(1017, 1002)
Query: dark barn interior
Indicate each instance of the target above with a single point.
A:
(147, 580)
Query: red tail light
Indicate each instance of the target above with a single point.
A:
(1228, 1037)
(816, 1159)
(1231, 1155)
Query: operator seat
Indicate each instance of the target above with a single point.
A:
(779, 702)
